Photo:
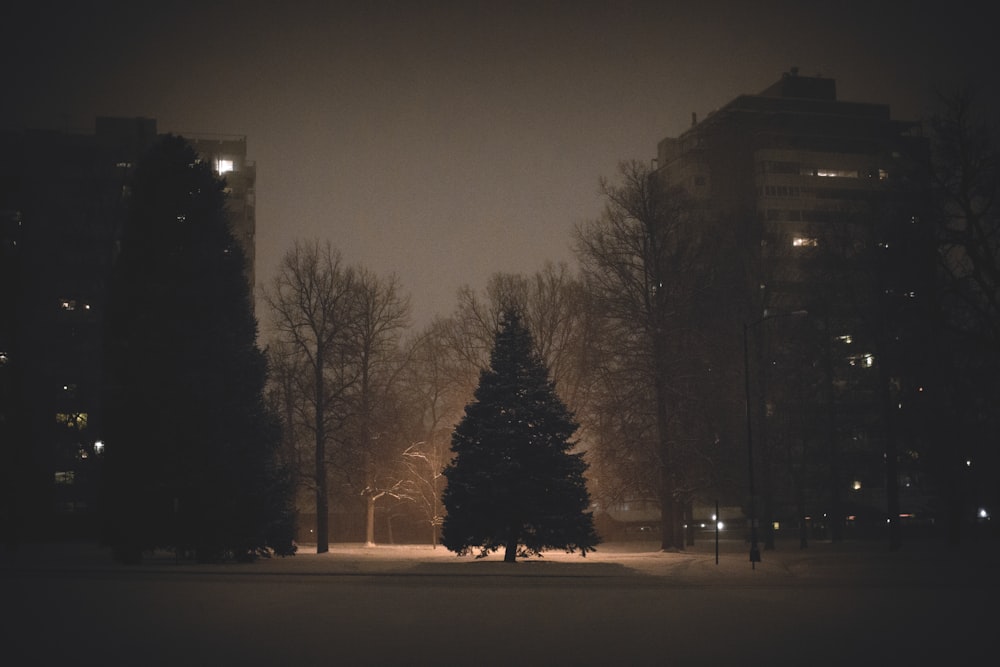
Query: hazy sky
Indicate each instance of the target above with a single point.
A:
(447, 141)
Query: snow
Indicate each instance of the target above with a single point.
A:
(831, 604)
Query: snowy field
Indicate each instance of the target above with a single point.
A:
(627, 604)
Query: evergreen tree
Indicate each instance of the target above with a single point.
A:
(513, 482)
(191, 447)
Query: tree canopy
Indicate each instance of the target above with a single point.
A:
(514, 481)
(191, 447)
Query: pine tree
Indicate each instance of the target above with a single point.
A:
(514, 482)
(191, 447)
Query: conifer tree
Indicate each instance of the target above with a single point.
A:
(514, 482)
(191, 446)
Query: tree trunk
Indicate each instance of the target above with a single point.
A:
(370, 521)
(322, 502)
(510, 555)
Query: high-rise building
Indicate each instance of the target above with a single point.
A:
(62, 205)
(227, 155)
(824, 197)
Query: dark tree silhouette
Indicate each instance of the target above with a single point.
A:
(191, 447)
(514, 482)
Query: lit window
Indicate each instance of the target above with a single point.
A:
(67, 304)
(837, 173)
(857, 485)
(845, 339)
(883, 175)
(223, 166)
(99, 447)
(77, 420)
(4, 358)
(862, 360)
(805, 242)
(65, 477)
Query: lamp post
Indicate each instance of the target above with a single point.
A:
(754, 546)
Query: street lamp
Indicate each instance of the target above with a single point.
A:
(754, 546)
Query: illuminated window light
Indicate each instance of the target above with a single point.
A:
(77, 420)
(99, 447)
(65, 477)
(862, 360)
(805, 242)
(857, 485)
(845, 339)
(837, 173)
(223, 166)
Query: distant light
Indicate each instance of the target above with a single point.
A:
(776, 525)
(968, 463)
(983, 514)
(98, 447)
(720, 525)
(857, 485)
(223, 166)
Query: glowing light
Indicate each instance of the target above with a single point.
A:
(223, 166)
(857, 485)
(98, 447)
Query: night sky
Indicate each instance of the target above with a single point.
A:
(448, 141)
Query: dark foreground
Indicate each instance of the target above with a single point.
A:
(834, 605)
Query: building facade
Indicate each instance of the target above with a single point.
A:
(63, 201)
(825, 198)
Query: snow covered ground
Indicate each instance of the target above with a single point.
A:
(627, 604)
(851, 560)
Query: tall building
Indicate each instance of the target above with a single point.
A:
(227, 155)
(62, 205)
(824, 197)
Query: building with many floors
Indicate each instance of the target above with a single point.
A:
(825, 199)
(62, 205)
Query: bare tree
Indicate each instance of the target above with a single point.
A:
(641, 265)
(966, 188)
(381, 315)
(437, 382)
(311, 301)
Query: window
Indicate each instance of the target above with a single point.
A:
(861, 360)
(65, 477)
(805, 242)
(837, 173)
(223, 166)
(827, 172)
(77, 420)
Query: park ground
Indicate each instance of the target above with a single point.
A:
(852, 602)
